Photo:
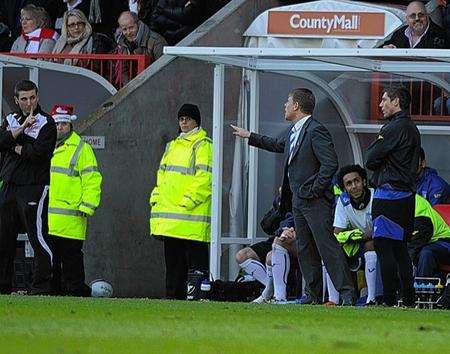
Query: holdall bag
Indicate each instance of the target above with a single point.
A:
(235, 291)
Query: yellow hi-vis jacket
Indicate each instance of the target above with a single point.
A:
(181, 201)
(75, 188)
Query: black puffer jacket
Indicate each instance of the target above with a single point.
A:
(174, 20)
(394, 156)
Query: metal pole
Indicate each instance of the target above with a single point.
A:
(253, 158)
(34, 75)
(216, 205)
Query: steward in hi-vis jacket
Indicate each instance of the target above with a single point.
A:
(181, 202)
(75, 189)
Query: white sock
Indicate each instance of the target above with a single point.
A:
(280, 269)
(256, 269)
(324, 282)
(268, 290)
(333, 294)
(371, 274)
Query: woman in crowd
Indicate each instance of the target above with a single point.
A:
(77, 38)
(35, 38)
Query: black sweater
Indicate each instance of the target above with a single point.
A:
(38, 142)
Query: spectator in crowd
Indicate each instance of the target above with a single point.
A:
(394, 158)
(102, 14)
(310, 162)
(420, 31)
(136, 38)
(181, 202)
(429, 184)
(75, 189)
(353, 228)
(35, 38)
(27, 141)
(279, 247)
(77, 37)
(175, 19)
(429, 246)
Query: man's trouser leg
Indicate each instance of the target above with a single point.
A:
(388, 267)
(431, 257)
(176, 268)
(318, 214)
(198, 255)
(405, 270)
(57, 286)
(32, 203)
(9, 228)
(309, 258)
(73, 267)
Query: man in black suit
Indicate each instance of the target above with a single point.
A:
(309, 163)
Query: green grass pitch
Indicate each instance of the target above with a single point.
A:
(71, 325)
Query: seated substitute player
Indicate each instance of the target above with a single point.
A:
(278, 252)
(430, 185)
(429, 247)
(353, 227)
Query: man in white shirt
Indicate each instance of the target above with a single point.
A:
(353, 227)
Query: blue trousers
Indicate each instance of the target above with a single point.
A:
(431, 257)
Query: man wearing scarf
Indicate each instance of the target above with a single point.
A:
(137, 38)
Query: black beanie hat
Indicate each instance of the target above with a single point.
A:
(191, 111)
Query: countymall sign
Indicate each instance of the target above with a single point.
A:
(323, 23)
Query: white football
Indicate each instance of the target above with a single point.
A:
(101, 288)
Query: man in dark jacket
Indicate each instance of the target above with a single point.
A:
(420, 31)
(394, 157)
(27, 141)
(310, 162)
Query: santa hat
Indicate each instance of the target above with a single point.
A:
(63, 113)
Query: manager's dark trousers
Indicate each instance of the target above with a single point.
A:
(181, 256)
(314, 228)
(24, 208)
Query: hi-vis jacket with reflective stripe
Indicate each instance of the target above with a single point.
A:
(75, 188)
(181, 200)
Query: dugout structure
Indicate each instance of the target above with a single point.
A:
(347, 84)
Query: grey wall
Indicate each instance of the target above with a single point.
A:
(137, 123)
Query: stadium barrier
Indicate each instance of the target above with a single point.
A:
(118, 69)
(427, 100)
